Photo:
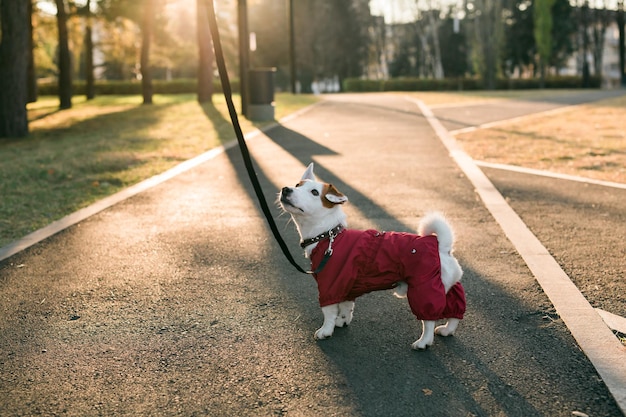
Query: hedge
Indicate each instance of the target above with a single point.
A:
(187, 86)
(459, 84)
(182, 86)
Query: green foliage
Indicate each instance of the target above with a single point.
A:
(542, 16)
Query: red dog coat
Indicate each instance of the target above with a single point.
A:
(365, 261)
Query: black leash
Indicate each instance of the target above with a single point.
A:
(228, 95)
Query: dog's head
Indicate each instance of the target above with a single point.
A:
(312, 202)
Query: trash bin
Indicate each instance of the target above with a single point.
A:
(261, 94)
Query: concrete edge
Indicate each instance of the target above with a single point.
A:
(549, 174)
(82, 214)
(599, 344)
(615, 322)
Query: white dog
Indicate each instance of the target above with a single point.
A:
(347, 263)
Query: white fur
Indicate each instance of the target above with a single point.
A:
(312, 217)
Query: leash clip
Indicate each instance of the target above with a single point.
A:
(329, 252)
(331, 239)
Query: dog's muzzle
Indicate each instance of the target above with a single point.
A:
(284, 195)
(284, 198)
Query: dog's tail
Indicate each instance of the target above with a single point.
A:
(435, 223)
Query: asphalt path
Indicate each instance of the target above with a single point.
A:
(177, 301)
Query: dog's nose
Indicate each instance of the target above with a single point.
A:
(286, 191)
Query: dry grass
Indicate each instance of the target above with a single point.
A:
(587, 140)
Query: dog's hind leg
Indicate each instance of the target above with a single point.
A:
(449, 328)
(428, 336)
(401, 289)
(330, 316)
(346, 309)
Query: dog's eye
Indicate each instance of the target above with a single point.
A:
(315, 192)
(297, 185)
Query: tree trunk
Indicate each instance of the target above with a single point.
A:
(13, 68)
(32, 77)
(542, 19)
(146, 32)
(584, 10)
(65, 60)
(205, 54)
(434, 28)
(489, 34)
(600, 23)
(622, 41)
(90, 88)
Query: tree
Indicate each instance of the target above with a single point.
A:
(601, 20)
(434, 22)
(622, 41)
(45, 44)
(147, 25)
(519, 39)
(542, 16)
(90, 88)
(583, 12)
(563, 31)
(32, 76)
(13, 68)
(488, 27)
(205, 54)
(407, 46)
(146, 13)
(331, 39)
(65, 59)
(454, 49)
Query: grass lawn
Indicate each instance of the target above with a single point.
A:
(77, 156)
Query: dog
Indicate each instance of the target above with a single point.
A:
(347, 263)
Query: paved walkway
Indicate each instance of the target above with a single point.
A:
(177, 301)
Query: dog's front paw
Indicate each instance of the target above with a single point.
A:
(428, 336)
(323, 333)
(422, 343)
(342, 321)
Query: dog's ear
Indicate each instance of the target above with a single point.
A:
(308, 174)
(333, 195)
